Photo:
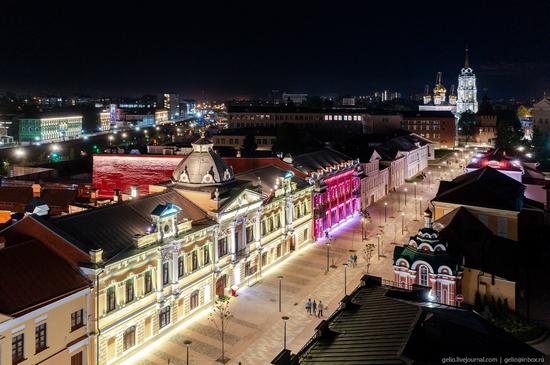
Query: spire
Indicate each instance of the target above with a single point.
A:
(427, 90)
(452, 89)
(466, 60)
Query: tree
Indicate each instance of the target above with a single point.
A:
(220, 317)
(467, 124)
(249, 145)
(509, 129)
(368, 253)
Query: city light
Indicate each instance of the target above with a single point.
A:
(19, 152)
(55, 147)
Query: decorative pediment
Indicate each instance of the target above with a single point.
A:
(245, 198)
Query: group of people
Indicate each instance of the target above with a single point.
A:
(314, 308)
(353, 260)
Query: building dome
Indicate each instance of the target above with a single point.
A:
(439, 89)
(203, 167)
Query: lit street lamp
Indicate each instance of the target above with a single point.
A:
(187, 343)
(402, 223)
(346, 277)
(284, 318)
(385, 212)
(328, 255)
(406, 196)
(378, 236)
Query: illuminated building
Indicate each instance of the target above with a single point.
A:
(161, 115)
(48, 129)
(162, 258)
(541, 116)
(498, 160)
(44, 302)
(424, 260)
(337, 192)
(437, 126)
(303, 117)
(467, 89)
(171, 103)
(438, 101)
(105, 120)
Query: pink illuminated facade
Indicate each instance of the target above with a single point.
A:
(337, 193)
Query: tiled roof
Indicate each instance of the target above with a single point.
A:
(113, 227)
(485, 187)
(32, 276)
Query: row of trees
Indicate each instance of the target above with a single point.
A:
(509, 131)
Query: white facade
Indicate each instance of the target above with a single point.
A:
(541, 116)
(375, 184)
(467, 90)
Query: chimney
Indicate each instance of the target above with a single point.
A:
(2, 242)
(36, 189)
(238, 153)
(134, 191)
(117, 197)
(96, 256)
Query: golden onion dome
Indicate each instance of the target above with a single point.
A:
(439, 89)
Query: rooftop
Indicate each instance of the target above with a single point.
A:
(34, 276)
(379, 324)
(485, 187)
(312, 161)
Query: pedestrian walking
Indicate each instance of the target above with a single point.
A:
(354, 260)
(320, 309)
(308, 306)
(314, 307)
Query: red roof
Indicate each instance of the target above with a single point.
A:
(34, 276)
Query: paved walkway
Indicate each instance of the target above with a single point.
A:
(255, 333)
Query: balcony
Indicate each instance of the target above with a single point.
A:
(242, 253)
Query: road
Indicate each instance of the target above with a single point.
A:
(255, 334)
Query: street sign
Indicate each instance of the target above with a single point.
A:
(459, 298)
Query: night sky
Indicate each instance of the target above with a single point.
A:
(244, 49)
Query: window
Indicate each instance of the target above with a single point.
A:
(423, 275)
(148, 282)
(76, 359)
(263, 227)
(181, 268)
(278, 221)
(17, 348)
(129, 338)
(77, 320)
(206, 255)
(111, 299)
(306, 234)
(129, 285)
(194, 260)
(40, 337)
(165, 273)
(194, 300)
(249, 234)
(222, 246)
(164, 317)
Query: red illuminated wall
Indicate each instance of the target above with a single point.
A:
(122, 171)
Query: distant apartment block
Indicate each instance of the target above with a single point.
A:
(48, 128)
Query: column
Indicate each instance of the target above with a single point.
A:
(258, 228)
(158, 274)
(175, 267)
(232, 242)
(216, 254)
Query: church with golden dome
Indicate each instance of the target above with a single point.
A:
(438, 101)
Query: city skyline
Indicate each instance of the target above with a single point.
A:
(246, 51)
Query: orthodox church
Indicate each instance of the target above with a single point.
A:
(425, 261)
(464, 99)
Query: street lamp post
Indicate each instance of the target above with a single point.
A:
(402, 223)
(415, 190)
(187, 343)
(328, 255)
(345, 278)
(385, 212)
(284, 318)
(406, 196)
(280, 290)
(415, 210)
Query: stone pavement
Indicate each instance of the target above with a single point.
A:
(255, 333)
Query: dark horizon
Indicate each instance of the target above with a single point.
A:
(246, 50)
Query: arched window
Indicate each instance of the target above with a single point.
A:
(423, 274)
(129, 338)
